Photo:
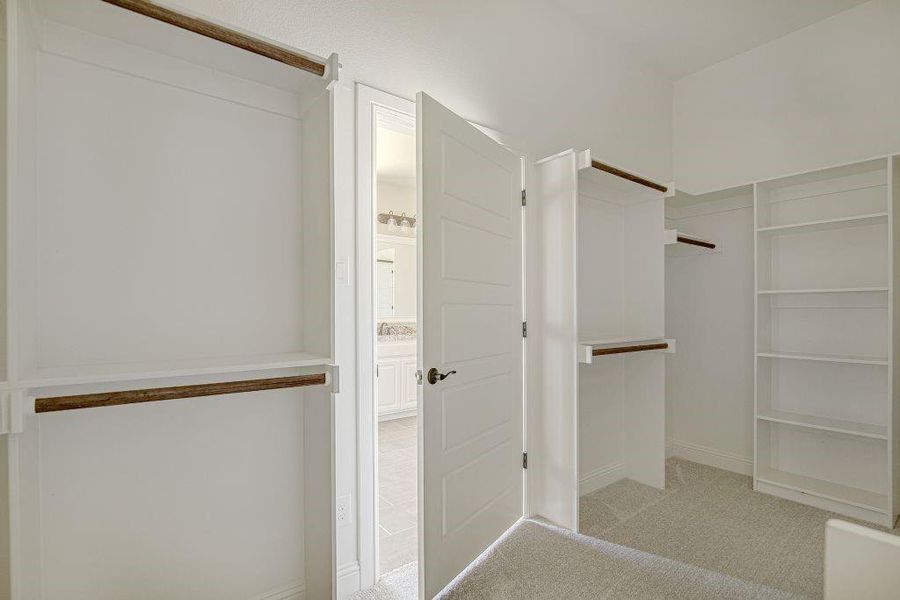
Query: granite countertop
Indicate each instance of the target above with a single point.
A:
(389, 333)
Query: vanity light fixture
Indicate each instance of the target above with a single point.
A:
(399, 221)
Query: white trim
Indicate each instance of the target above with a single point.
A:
(348, 580)
(368, 99)
(600, 478)
(293, 591)
(710, 457)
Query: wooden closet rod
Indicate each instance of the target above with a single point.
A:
(55, 403)
(221, 34)
(624, 349)
(626, 175)
(702, 243)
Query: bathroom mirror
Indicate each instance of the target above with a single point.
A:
(395, 273)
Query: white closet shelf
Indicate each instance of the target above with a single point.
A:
(826, 291)
(827, 224)
(622, 345)
(842, 190)
(111, 373)
(680, 244)
(598, 177)
(867, 430)
(835, 358)
(825, 489)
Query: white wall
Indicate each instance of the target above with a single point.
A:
(709, 311)
(826, 94)
(521, 67)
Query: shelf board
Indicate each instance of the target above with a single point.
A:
(608, 341)
(879, 432)
(587, 347)
(111, 373)
(826, 489)
(835, 358)
(825, 291)
(825, 225)
(680, 244)
(612, 184)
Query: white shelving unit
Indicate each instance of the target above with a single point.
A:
(168, 229)
(603, 354)
(826, 418)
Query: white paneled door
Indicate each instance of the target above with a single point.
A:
(470, 334)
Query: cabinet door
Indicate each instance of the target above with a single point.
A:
(388, 386)
(410, 389)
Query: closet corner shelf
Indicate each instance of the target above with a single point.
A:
(135, 372)
(681, 244)
(857, 290)
(589, 350)
(600, 176)
(825, 225)
(878, 432)
(825, 489)
(835, 358)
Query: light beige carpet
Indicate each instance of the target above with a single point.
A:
(713, 519)
(539, 561)
(706, 536)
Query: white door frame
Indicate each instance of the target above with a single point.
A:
(369, 100)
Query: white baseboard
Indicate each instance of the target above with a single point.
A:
(600, 478)
(400, 414)
(710, 457)
(348, 581)
(293, 591)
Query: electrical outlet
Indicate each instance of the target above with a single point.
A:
(343, 510)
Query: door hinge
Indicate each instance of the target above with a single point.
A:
(524, 329)
(523, 197)
(524, 460)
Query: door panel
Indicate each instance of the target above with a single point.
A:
(470, 295)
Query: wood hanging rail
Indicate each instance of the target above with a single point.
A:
(56, 403)
(626, 175)
(221, 34)
(625, 349)
(694, 242)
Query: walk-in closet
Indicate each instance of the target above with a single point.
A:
(279, 325)
(168, 237)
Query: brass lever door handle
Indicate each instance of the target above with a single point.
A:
(434, 375)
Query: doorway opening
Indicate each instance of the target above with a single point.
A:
(395, 340)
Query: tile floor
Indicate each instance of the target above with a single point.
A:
(397, 493)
